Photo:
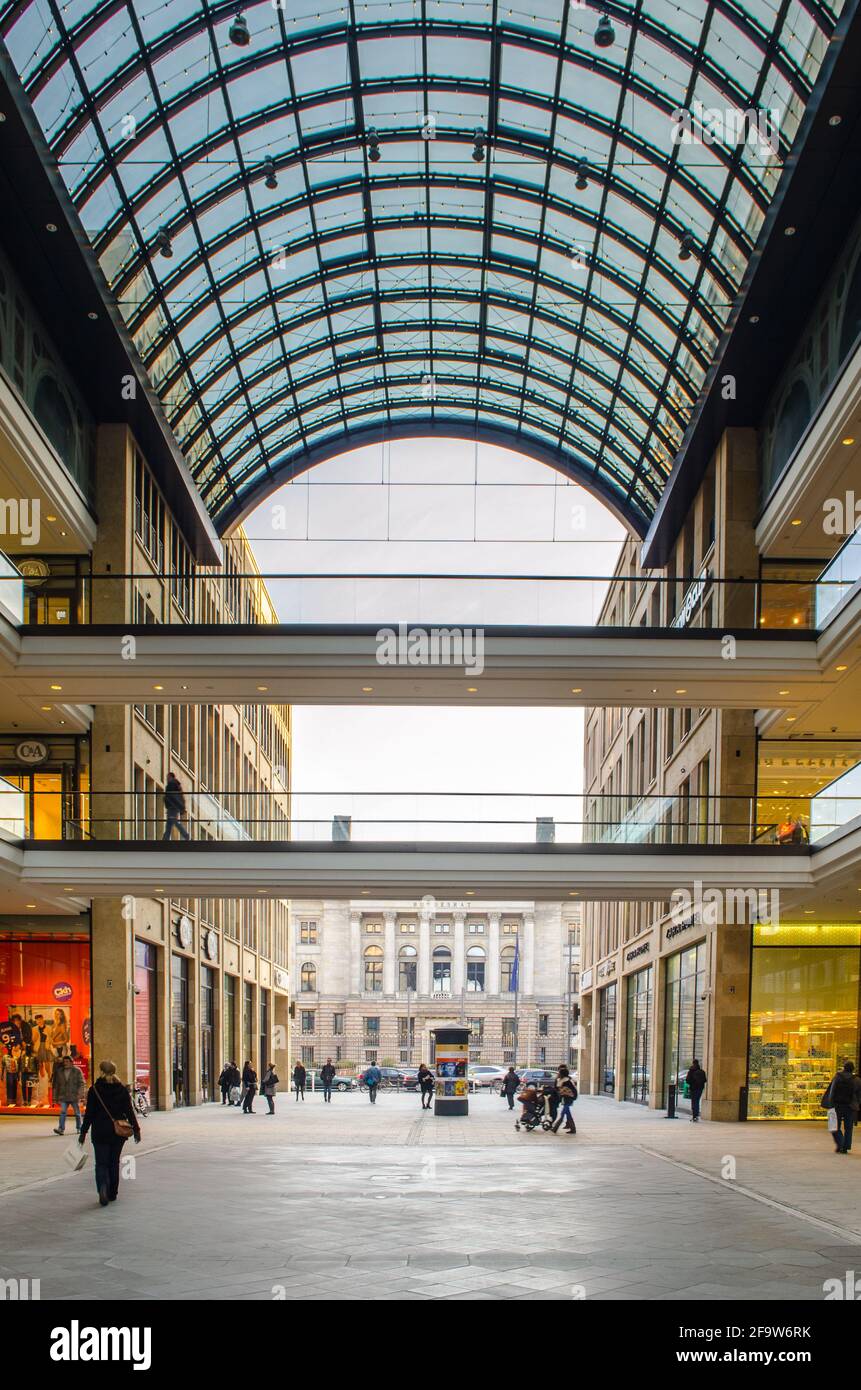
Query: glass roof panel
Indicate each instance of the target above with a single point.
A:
(394, 187)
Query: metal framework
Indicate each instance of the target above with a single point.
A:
(388, 219)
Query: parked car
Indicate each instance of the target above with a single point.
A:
(390, 1080)
(409, 1077)
(536, 1076)
(340, 1082)
(482, 1076)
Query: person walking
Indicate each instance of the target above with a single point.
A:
(269, 1085)
(68, 1087)
(510, 1083)
(327, 1076)
(567, 1093)
(425, 1080)
(696, 1083)
(300, 1076)
(110, 1114)
(225, 1082)
(174, 807)
(249, 1088)
(373, 1077)
(844, 1096)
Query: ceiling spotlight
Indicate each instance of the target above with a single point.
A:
(163, 244)
(582, 180)
(479, 139)
(686, 247)
(605, 34)
(850, 439)
(268, 168)
(373, 144)
(238, 32)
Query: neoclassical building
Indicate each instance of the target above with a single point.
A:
(371, 979)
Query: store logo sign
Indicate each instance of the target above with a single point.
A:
(62, 991)
(691, 601)
(77, 1343)
(31, 752)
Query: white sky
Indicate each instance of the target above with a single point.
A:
(435, 507)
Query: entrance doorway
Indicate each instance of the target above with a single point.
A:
(179, 1028)
(207, 1033)
(146, 1021)
(638, 1036)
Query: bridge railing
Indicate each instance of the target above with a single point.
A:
(332, 817)
(386, 600)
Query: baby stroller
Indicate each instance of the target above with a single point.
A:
(537, 1112)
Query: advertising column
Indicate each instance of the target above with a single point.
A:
(451, 1090)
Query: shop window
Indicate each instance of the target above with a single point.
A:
(684, 1022)
(45, 1002)
(638, 1036)
(607, 1041)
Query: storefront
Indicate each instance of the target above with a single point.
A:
(207, 1033)
(45, 1013)
(804, 1016)
(44, 787)
(684, 1017)
(179, 972)
(229, 1016)
(607, 1041)
(247, 1022)
(146, 1020)
(638, 1035)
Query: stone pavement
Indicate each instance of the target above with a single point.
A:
(351, 1201)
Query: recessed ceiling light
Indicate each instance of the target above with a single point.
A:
(850, 439)
(47, 708)
(367, 689)
(470, 892)
(841, 668)
(471, 689)
(682, 691)
(263, 687)
(754, 318)
(92, 315)
(789, 231)
(783, 692)
(791, 718)
(834, 120)
(50, 226)
(158, 687)
(56, 687)
(796, 521)
(576, 690)
(50, 518)
(29, 904)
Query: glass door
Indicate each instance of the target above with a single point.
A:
(179, 1028)
(207, 1028)
(638, 1036)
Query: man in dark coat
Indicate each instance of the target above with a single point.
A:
(174, 807)
(510, 1083)
(327, 1076)
(299, 1078)
(844, 1096)
(696, 1082)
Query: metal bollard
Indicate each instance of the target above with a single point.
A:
(742, 1102)
(671, 1101)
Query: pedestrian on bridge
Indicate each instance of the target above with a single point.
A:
(174, 807)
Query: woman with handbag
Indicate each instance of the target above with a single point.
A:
(111, 1117)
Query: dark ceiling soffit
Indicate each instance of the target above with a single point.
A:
(63, 278)
(564, 462)
(818, 195)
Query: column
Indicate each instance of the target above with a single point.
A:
(527, 956)
(424, 972)
(112, 968)
(458, 964)
(355, 952)
(492, 981)
(389, 947)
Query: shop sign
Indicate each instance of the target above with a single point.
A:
(586, 980)
(62, 991)
(281, 978)
(639, 951)
(184, 932)
(210, 945)
(32, 752)
(607, 967)
(678, 927)
(691, 601)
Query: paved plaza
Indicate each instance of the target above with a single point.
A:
(351, 1201)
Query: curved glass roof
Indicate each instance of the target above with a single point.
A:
(389, 218)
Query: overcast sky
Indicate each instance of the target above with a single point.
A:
(435, 507)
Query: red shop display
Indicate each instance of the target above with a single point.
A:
(45, 1014)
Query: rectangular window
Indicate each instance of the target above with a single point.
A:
(371, 1029)
(308, 1056)
(308, 933)
(338, 1025)
(543, 1025)
(308, 1017)
(408, 928)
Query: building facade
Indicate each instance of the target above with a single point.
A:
(371, 979)
(168, 989)
(769, 1004)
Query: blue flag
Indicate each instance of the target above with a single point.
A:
(515, 968)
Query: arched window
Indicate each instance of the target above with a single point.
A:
(475, 970)
(407, 969)
(506, 966)
(308, 978)
(373, 969)
(442, 970)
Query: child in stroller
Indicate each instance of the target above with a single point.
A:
(537, 1108)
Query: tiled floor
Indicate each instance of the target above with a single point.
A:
(357, 1202)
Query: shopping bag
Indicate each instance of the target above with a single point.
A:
(234, 1095)
(76, 1156)
(832, 1121)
